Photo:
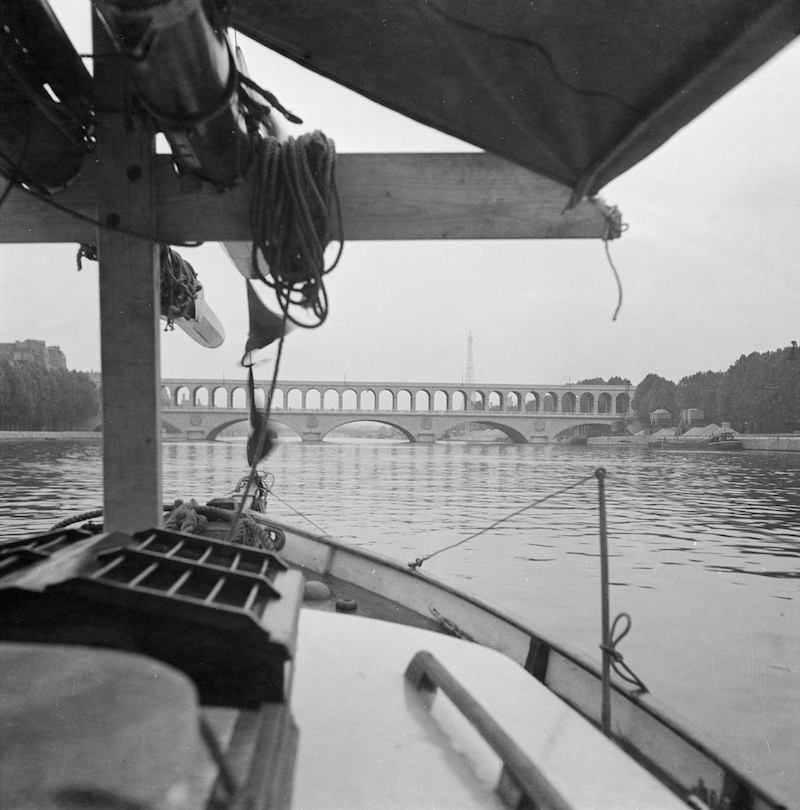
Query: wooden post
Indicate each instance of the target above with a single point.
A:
(129, 305)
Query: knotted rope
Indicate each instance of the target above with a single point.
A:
(617, 661)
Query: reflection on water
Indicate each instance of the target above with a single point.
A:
(705, 550)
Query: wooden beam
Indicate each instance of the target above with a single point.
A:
(130, 308)
(384, 197)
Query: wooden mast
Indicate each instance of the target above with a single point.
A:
(129, 303)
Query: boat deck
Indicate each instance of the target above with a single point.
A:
(367, 739)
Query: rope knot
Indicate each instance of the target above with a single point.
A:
(617, 660)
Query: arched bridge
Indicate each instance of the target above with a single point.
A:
(423, 412)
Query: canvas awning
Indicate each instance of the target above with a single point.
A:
(576, 90)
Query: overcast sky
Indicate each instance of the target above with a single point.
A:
(709, 264)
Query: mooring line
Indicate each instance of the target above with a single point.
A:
(420, 560)
(298, 512)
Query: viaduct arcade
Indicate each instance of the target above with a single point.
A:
(423, 412)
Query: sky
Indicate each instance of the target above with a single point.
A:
(708, 265)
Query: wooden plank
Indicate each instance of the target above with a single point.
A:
(384, 197)
(129, 310)
(456, 196)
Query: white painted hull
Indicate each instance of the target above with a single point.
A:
(666, 744)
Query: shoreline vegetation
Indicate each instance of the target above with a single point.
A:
(35, 398)
(759, 394)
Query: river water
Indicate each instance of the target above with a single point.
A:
(705, 551)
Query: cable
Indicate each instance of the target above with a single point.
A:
(14, 170)
(97, 223)
(298, 512)
(420, 560)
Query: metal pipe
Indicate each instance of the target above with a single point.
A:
(605, 646)
(186, 79)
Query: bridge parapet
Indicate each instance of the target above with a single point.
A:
(404, 397)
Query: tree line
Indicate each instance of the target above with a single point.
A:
(35, 398)
(759, 393)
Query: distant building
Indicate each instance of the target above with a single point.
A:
(661, 418)
(55, 358)
(33, 351)
(693, 417)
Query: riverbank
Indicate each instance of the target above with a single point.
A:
(789, 443)
(39, 435)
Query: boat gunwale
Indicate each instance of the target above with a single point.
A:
(718, 754)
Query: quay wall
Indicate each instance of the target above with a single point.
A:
(33, 435)
(783, 443)
(789, 443)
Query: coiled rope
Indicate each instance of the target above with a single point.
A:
(420, 560)
(192, 517)
(295, 214)
(179, 284)
(179, 287)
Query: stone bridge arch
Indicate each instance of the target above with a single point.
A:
(379, 417)
(513, 434)
(583, 430)
(217, 429)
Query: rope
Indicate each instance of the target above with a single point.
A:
(262, 437)
(450, 626)
(179, 287)
(612, 230)
(87, 250)
(185, 517)
(420, 560)
(190, 517)
(92, 513)
(298, 513)
(295, 213)
(270, 98)
(617, 661)
(226, 776)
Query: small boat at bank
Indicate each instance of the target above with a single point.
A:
(725, 440)
(221, 660)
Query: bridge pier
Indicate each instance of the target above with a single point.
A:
(425, 438)
(311, 436)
